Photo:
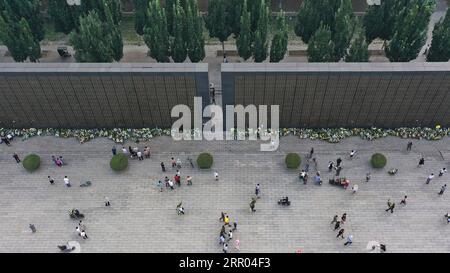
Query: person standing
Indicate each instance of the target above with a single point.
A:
(307, 165)
(163, 168)
(189, 180)
(114, 150)
(338, 162)
(124, 151)
(170, 182)
(311, 153)
(409, 146)
(330, 166)
(349, 240)
(429, 178)
(234, 226)
(391, 206)
(33, 228)
(257, 191)
(66, 181)
(177, 179)
(160, 185)
(421, 162)
(178, 163)
(338, 170)
(230, 235)
(174, 163)
(404, 200)
(443, 188)
(340, 233)
(51, 180)
(147, 152)
(344, 218)
(222, 216)
(442, 171)
(139, 155)
(355, 188)
(107, 203)
(368, 176)
(352, 154)
(237, 245)
(337, 225)
(16, 157)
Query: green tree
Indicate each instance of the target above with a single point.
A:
(196, 41)
(216, 21)
(440, 45)
(63, 16)
(30, 11)
(410, 31)
(259, 47)
(179, 52)
(320, 46)
(343, 29)
(19, 40)
(140, 15)
(359, 49)
(234, 12)
(244, 40)
(99, 7)
(312, 14)
(156, 36)
(280, 39)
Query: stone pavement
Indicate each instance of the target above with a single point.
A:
(141, 219)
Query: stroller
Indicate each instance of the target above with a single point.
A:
(75, 214)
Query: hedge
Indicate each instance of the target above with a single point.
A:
(119, 162)
(31, 162)
(205, 161)
(292, 161)
(378, 161)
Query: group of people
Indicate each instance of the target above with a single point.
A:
(134, 152)
(226, 232)
(338, 226)
(58, 161)
(6, 139)
(81, 230)
(431, 176)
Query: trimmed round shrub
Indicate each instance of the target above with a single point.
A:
(31, 162)
(378, 161)
(292, 161)
(119, 162)
(205, 161)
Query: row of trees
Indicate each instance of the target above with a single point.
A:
(329, 27)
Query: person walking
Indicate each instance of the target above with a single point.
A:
(163, 168)
(315, 163)
(330, 166)
(318, 179)
(352, 154)
(66, 181)
(170, 182)
(237, 244)
(257, 191)
(174, 163)
(189, 180)
(349, 240)
(178, 163)
(344, 218)
(404, 200)
(114, 150)
(226, 221)
(409, 146)
(337, 225)
(338, 162)
(391, 206)
(368, 176)
(147, 153)
(252, 204)
(139, 155)
(429, 178)
(107, 203)
(177, 179)
(160, 185)
(355, 188)
(307, 165)
(225, 248)
(216, 176)
(234, 226)
(335, 217)
(311, 153)
(33, 228)
(340, 233)
(443, 188)
(5, 140)
(222, 216)
(421, 162)
(230, 235)
(16, 157)
(442, 171)
(83, 234)
(221, 239)
(51, 180)
(338, 170)
(78, 230)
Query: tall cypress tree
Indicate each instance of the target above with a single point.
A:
(440, 45)
(244, 40)
(140, 15)
(320, 46)
(234, 11)
(343, 29)
(19, 39)
(178, 47)
(217, 21)
(156, 36)
(63, 16)
(196, 41)
(259, 47)
(30, 11)
(410, 31)
(280, 40)
(359, 50)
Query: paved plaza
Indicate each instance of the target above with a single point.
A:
(142, 219)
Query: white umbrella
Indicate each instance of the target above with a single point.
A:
(374, 247)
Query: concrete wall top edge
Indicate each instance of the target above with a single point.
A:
(335, 67)
(103, 67)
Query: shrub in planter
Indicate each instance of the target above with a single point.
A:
(119, 162)
(292, 161)
(31, 162)
(205, 161)
(378, 161)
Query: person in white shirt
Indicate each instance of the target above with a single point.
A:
(429, 178)
(124, 150)
(170, 184)
(352, 153)
(216, 176)
(66, 181)
(355, 188)
(139, 154)
(189, 180)
(442, 171)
